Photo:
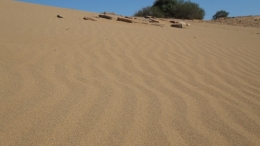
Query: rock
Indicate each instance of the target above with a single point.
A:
(87, 18)
(105, 16)
(187, 24)
(124, 20)
(178, 25)
(59, 16)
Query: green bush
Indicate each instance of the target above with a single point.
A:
(220, 14)
(166, 6)
(180, 9)
(149, 11)
(188, 10)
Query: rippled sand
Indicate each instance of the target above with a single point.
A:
(74, 82)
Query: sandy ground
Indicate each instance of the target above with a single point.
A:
(245, 21)
(74, 82)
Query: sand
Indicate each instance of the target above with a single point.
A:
(71, 81)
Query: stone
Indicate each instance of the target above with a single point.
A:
(59, 16)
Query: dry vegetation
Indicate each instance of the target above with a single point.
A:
(246, 21)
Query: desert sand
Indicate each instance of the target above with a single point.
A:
(69, 81)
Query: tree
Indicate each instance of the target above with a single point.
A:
(188, 10)
(150, 11)
(180, 9)
(220, 14)
(166, 6)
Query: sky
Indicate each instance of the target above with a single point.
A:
(128, 8)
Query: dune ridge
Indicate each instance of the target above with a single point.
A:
(74, 82)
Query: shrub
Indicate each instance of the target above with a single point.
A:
(188, 10)
(220, 14)
(150, 11)
(166, 6)
(173, 8)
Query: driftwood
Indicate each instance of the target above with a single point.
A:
(173, 21)
(87, 18)
(129, 17)
(180, 22)
(146, 16)
(162, 25)
(59, 16)
(124, 20)
(153, 20)
(108, 13)
(105, 16)
(178, 25)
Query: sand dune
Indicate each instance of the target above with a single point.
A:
(74, 82)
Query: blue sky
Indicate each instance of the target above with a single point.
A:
(128, 8)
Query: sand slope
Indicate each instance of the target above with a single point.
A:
(75, 82)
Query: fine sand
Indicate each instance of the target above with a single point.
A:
(69, 81)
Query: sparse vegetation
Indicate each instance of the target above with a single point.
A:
(220, 14)
(180, 9)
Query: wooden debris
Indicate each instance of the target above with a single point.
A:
(87, 18)
(109, 13)
(129, 17)
(146, 16)
(172, 21)
(162, 25)
(180, 22)
(105, 16)
(59, 16)
(124, 20)
(153, 20)
(178, 25)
